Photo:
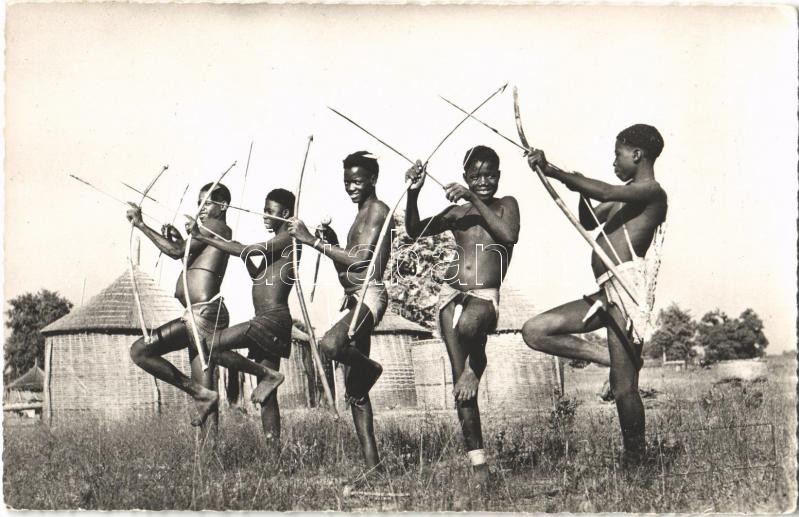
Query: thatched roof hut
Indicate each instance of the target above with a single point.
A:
(87, 364)
(25, 392)
(32, 380)
(392, 342)
(516, 378)
(88, 367)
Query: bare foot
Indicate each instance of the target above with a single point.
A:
(481, 475)
(360, 382)
(466, 387)
(206, 402)
(268, 384)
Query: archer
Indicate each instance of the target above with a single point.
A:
(485, 229)
(268, 334)
(351, 263)
(206, 269)
(631, 214)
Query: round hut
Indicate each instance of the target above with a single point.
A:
(88, 369)
(392, 343)
(516, 378)
(23, 395)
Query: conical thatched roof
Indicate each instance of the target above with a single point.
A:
(514, 309)
(32, 380)
(114, 308)
(393, 323)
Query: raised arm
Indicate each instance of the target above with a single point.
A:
(635, 192)
(171, 243)
(503, 228)
(413, 226)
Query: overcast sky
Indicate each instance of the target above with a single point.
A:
(113, 92)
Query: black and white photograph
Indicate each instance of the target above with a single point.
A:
(387, 258)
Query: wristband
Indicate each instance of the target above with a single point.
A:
(317, 241)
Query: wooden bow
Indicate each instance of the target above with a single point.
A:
(558, 201)
(195, 334)
(131, 267)
(303, 307)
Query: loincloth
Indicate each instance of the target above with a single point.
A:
(636, 317)
(270, 331)
(210, 316)
(448, 294)
(375, 299)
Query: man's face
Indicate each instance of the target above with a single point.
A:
(482, 178)
(272, 207)
(359, 183)
(211, 209)
(626, 162)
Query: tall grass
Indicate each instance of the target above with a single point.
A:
(711, 449)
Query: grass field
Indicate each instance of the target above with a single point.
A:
(716, 446)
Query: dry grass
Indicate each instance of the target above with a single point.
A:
(723, 447)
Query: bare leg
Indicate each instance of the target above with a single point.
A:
(362, 414)
(171, 337)
(550, 332)
(270, 411)
(206, 408)
(363, 419)
(466, 349)
(222, 353)
(360, 374)
(363, 372)
(624, 383)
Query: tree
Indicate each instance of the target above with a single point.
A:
(415, 273)
(675, 335)
(726, 338)
(752, 340)
(28, 315)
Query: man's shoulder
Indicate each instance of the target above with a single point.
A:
(509, 201)
(218, 226)
(377, 208)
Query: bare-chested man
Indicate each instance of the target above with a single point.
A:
(485, 230)
(631, 214)
(206, 269)
(268, 334)
(352, 263)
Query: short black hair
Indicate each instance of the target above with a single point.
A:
(362, 159)
(282, 196)
(644, 137)
(221, 194)
(480, 153)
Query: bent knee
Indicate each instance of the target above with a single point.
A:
(138, 351)
(534, 329)
(330, 347)
(470, 328)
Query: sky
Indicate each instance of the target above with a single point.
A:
(112, 93)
